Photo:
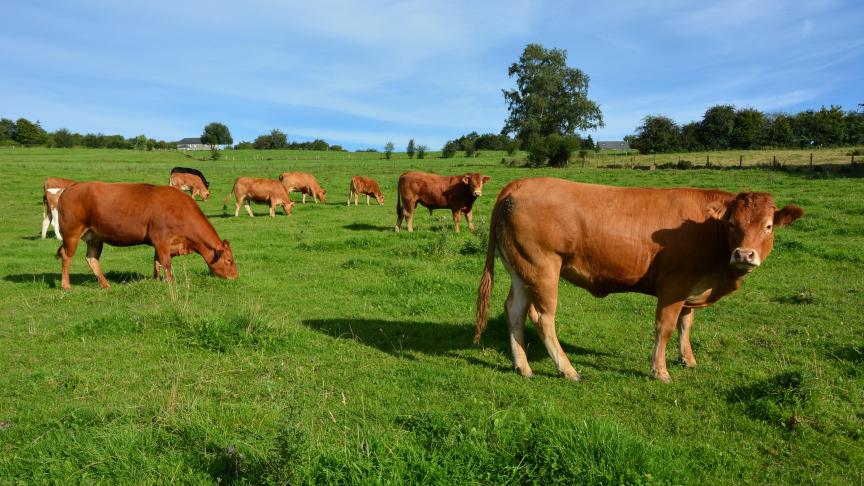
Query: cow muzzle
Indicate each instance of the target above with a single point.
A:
(478, 193)
(745, 259)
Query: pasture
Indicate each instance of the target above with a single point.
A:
(343, 352)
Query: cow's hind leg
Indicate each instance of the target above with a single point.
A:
(544, 296)
(237, 207)
(66, 252)
(46, 221)
(685, 351)
(55, 221)
(515, 309)
(94, 251)
(248, 207)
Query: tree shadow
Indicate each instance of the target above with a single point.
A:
(38, 237)
(405, 339)
(53, 279)
(367, 227)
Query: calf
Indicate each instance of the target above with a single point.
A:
(303, 183)
(364, 185)
(456, 193)
(259, 190)
(192, 180)
(687, 247)
(52, 188)
(122, 214)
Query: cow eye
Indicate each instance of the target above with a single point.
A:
(768, 228)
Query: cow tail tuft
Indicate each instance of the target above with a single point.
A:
(484, 292)
(225, 201)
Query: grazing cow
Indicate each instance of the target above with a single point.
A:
(123, 214)
(259, 190)
(53, 187)
(303, 183)
(364, 185)
(456, 193)
(192, 180)
(687, 247)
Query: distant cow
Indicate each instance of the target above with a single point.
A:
(259, 190)
(123, 214)
(192, 180)
(687, 247)
(303, 183)
(52, 188)
(456, 193)
(364, 185)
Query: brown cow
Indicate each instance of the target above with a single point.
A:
(456, 193)
(52, 188)
(191, 180)
(687, 247)
(259, 190)
(303, 183)
(123, 214)
(364, 185)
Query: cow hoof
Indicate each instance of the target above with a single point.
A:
(573, 376)
(525, 373)
(663, 376)
(688, 363)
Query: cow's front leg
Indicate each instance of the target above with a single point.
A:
(667, 314)
(156, 266)
(94, 251)
(367, 199)
(304, 198)
(457, 217)
(248, 208)
(163, 255)
(237, 209)
(470, 219)
(685, 351)
(272, 210)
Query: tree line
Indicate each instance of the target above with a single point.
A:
(30, 134)
(278, 140)
(725, 127)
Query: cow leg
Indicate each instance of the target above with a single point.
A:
(457, 217)
(350, 195)
(156, 266)
(94, 251)
(515, 309)
(533, 314)
(304, 198)
(685, 351)
(163, 257)
(237, 208)
(55, 221)
(367, 199)
(46, 221)
(666, 317)
(545, 303)
(248, 208)
(272, 210)
(470, 219)
(66, 252)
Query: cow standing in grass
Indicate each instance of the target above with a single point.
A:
(51, 191)
(367, 186)
(192, 180)
(687, 247)
(456, 193)
(123, 214)
(303, 183)
(268, 191)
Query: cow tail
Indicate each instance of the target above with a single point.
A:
(484, 292)
(398, 202)
(225, 201)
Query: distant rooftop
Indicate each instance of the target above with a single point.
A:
(190, 141)
(614, 145)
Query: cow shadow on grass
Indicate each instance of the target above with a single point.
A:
(366, 227)
(406, 339)
(53, 279)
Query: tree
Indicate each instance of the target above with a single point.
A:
(690, 137)
(278, 140)
(63, 138)
(553, 149)
(263, 142)
(449, 149)
(470, 147)
(7, 129)
(388, 150)
(29, 133)
(750, 129)
(550, 97)
(421, 151)
(657, 134)
(716, 127)
(216, 134)
(410, 149)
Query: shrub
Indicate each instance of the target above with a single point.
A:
(553, 150)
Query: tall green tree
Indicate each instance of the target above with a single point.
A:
(278, 140)
(780, 131)
(29, 133)
(388, 150)
(216, 134)
(657, 134)
(421, 151)
(750, 130)
(410, 149)
(7, 129)
(63, 138)
(550, 97)
(715, 131)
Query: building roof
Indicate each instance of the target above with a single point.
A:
(190, 141)
(614, 144)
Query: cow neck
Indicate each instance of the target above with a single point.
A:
(205, 246)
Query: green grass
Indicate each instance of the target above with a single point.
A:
(343, 352)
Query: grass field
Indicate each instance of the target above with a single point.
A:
(343, 352)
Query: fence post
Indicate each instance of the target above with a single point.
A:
(811, 160)
(740, 161)
(707, 161)
(774, 164)
(853, 157)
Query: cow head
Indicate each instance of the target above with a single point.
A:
(751, 218)
(222, 264)
(205, 193)
(475, 182)
(322, 195)
(379, 196)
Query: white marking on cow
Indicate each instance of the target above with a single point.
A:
(53, 190)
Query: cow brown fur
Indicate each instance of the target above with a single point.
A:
(123, 214)
(51, 191)
(687, 247)
(269, 191)
(303, 183)
(189, 182)
(456, 193)
(367, 186)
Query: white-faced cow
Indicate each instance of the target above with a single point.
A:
(123, 214)
(52, 188)
(259, 190)
(456, 193)
(367, 186)
(687, 247)
(192, 180)
(303, 183)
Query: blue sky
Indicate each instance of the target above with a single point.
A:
(364, 73)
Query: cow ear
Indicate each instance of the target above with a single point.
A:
(216, 256)
(466, 180)
(485, 179)
(716, 210)
(787, 215)
(226, 244)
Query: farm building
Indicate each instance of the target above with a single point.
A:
(191, 144)
(614, 145)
